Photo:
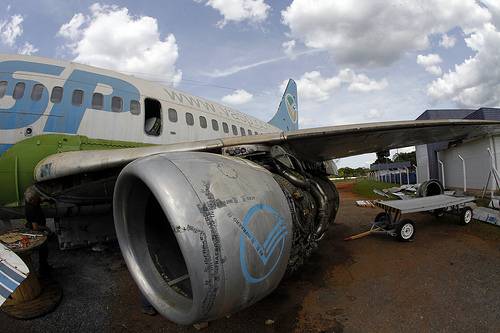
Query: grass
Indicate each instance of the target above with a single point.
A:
(364, 187)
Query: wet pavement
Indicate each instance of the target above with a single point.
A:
(446, 280)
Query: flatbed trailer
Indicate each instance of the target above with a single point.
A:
(391, 222)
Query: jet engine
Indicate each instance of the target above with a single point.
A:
(205, 235)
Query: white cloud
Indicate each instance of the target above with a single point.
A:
(447, 41)
(476, 81)
(289, 48)
(111, 37)
(431, 63)
(11, 29)
(374, 114)
(27, 49)
(254, 11)
(239, 97)
(377, 32)
(73, 29)
(313, 86)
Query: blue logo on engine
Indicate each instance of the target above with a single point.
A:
(274, 241)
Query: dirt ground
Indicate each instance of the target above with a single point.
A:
(447, 280)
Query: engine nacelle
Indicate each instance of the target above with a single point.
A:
(203, 235)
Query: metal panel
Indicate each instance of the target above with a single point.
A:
(424, 204)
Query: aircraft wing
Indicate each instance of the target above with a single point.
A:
(314, 144)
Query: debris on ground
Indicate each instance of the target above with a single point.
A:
(269, 322)
(365, 203)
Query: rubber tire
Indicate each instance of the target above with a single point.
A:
(466, 216)
(399, 230)
(382, 216)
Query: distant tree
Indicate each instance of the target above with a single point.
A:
(347, 172)
(383, 157)
(404, 157)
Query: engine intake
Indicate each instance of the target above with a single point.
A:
(203, 235)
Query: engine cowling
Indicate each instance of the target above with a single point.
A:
(203, 235)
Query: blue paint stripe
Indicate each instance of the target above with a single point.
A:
(8, 282)
(11, 273)
(4, 292)
(4, 147)
(271, 234)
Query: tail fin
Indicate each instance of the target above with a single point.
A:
(287, 116)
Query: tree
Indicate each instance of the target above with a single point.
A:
(403, 157)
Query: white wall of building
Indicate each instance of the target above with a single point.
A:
(477, 163)
(422, 163)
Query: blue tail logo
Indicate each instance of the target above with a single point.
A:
(287, 116)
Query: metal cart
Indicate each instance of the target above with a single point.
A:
(390, 221)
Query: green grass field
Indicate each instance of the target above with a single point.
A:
(364, 188)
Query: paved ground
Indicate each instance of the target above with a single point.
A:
(446, 280)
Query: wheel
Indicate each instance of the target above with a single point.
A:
(438, 212)
(405, 231)
(382, 219)
(466, 216)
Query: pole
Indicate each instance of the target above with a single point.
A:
(442, 172)
(465, 173)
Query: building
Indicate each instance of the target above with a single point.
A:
(397, 173)
(460, 165)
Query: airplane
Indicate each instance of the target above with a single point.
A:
(211, 207)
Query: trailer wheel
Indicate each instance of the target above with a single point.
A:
(466, 216)
(405, 231)
(382, 219)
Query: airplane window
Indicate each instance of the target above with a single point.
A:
(57, 94)
(97, 101)
(249, 132)
(3, 88)
(225, 128)
(242, 131)
(116, 104)
(135, 107)
(256, 133)
(215, 125)
(235, 129)
(203, 122)
(19, 90)
(77, 98)
(172, 115)
(189, 119)
(36, 92)
(152, 117)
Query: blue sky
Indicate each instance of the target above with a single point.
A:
(354, 61)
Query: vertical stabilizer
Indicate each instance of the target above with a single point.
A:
(287, 116)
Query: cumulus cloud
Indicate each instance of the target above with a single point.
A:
(447, 41)
(239, 97)
(289, 48)
(11, 29)
(476, 81)
(430, 63)
(254, 11)
(111, 37)
(313, 86)
(377, 32)
(27, 49)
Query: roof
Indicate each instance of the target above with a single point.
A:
(445, 114)
(390, 166)
(485, 114)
